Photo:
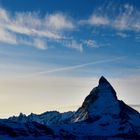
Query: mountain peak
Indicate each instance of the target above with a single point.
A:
(103, 81)
(104, 86)
(101, 100)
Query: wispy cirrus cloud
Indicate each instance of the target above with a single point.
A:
(79, 45)
(126, 19)
(7, 37)
(91, 43)
(40, 29)
(96, 20)
(73, 44)
(58, 22)
(32, 25)
(40, 44)
(129, 19)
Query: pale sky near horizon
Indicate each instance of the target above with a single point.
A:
(52, 53)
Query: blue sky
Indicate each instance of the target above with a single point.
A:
(67, 40)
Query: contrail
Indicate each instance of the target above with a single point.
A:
(75, 66)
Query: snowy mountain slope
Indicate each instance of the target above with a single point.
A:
(16, 129)
(47, 118)
(101, 116)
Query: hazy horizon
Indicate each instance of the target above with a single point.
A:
(80, 87)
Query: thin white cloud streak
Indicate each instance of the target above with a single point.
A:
(74, 67)
(32, 32)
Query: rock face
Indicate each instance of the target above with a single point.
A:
(101, 115)
(101, 100)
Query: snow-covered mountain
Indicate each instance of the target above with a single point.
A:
(101, 116)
